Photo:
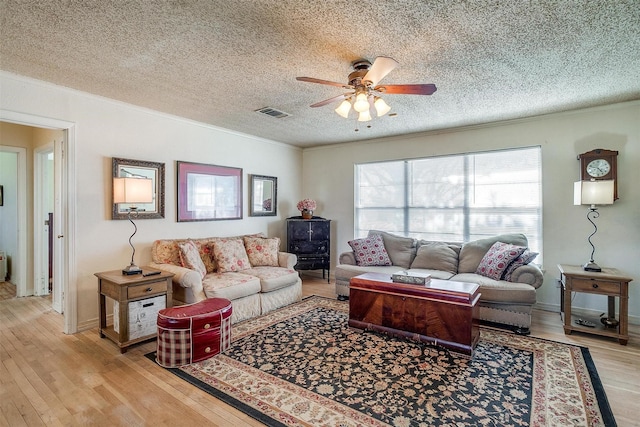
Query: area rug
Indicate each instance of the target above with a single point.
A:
(303, 366)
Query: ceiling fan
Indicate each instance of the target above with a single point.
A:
(364, 90)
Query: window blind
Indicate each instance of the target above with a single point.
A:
(455, 198)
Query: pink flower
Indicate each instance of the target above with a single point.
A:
(306, 204)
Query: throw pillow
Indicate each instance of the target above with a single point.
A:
(370, 251)
(498, 258)
(472, 252)
(262, 251)
(401, 250)
(230, 255)
(524, 259)
(205, 247)
(190, 257)
(437, 256)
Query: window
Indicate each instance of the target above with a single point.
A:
(455, 198)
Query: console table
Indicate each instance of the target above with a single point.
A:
(131, 294)
(610, 283)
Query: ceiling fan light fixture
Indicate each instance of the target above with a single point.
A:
(362, 103)
(344, 108)
(382, 107)
(364, 116)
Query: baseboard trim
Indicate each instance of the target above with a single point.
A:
(586, 312)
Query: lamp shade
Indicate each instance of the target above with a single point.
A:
(364, 116)
(593, 192)
(362, 103)
(382, 107)
(132, 190)
(344, 109)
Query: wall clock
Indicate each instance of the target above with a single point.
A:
(600, 164)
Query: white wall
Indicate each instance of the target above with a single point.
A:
(565, 227)
(106, 129)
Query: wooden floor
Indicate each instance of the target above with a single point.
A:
(7, 290)
(48, 378)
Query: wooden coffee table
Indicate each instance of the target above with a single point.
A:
(441, 312)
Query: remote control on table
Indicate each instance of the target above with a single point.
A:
(150, 273)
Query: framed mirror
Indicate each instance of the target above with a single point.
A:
(140, 169)
(263, 195)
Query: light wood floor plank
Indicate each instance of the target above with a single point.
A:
(48, 378)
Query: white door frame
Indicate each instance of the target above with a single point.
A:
(41, 238)
(65, 272)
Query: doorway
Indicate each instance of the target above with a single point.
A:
(63, 245)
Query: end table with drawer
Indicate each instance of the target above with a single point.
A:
(611, 283)
(138, 294)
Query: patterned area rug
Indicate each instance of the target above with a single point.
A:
(303, 366)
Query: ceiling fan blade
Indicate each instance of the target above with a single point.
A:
(330, 100)
(424, 89)
(382, 66)
(323, 82)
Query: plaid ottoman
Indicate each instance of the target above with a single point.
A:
(194, 332)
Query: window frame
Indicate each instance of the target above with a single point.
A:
(467, 233)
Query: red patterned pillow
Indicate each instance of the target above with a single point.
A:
(262, 251)
(497, 259)
(524, 259)
(230, 255)
(370, 251)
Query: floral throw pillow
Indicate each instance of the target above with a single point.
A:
(524, 259)
(497, 259)
(262, 251)
(190, 257)
(370, 251)
(230, 255)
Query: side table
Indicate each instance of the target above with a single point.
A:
(610, 283)
(126, 290)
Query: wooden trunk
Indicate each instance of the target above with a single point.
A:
(441, 312)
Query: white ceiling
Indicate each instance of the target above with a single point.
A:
(217, 61)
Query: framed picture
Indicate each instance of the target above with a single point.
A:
(208, 192)
(1, 195)
(140, 169)
(263, 198)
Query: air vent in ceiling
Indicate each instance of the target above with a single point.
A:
(273, 112)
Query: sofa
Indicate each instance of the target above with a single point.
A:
(248, 270)
(507, 285)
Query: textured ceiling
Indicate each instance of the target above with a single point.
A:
(217, 61)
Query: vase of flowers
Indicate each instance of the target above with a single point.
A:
(306, 208)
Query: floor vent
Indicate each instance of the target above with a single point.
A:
(273, 112)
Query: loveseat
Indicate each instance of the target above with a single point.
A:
(249, 270)
(508, 292)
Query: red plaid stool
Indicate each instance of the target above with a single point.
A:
(194, 332)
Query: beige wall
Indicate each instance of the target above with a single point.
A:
(106, 129)
(565, 227)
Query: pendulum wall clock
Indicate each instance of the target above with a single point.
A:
(600, 164)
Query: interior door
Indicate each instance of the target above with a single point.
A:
(59, 200)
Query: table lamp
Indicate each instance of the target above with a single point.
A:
(132, 190)
(593, 193)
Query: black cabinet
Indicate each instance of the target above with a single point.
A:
(310, 240)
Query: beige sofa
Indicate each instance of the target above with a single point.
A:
(252, 289)
(507, 302)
